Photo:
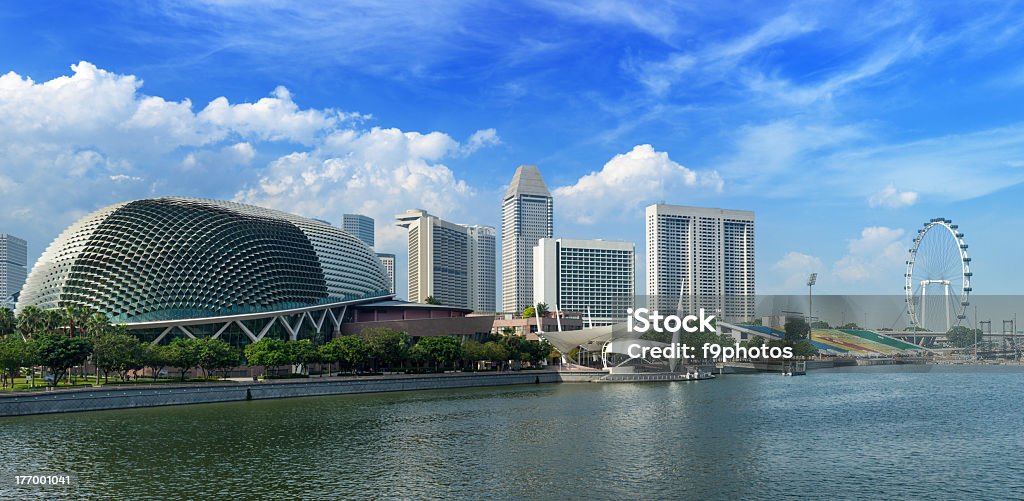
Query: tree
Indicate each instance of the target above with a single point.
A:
(473, 352)
(820, 324)
(347, 351)
(53, 320)
(438, 350)
(303, 352)
(216, 355)
(183, 354)
(796, 329)
(15, 353)
(537, 351)
(8, 323)
(963, 337)
(76, 317)
(96, 325)
(30, 321)
(531, 311)
(432, 300)
(850, 325)
(804, 348)
(388, 347)
(268, 353)
(495, 352)
(58, 353)
(119, 352)
(155, 357)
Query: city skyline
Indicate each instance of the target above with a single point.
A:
(696, 107)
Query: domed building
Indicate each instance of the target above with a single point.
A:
(175, 266)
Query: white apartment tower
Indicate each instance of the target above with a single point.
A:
(454, 263)
(700, 257)
(388, 260)
(527, 215)
(13, 267)
(586, 276)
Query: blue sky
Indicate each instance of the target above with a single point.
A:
(844, 125)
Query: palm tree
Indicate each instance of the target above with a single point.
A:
(96, 325)
(76, 317)
(30, 321)
(53, 320)
(432, 300)
(7, 322)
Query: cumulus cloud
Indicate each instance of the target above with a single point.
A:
(890, 197)
(793, 269)
(629, 180)
(91, 138)
(876, 256)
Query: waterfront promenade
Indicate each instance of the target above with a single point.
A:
(155, 395)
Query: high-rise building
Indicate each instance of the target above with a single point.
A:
(700, 257)
(527, 215)
(454, 263)
(388, 260)
(593, 277)
(13, 268)
(359, 225)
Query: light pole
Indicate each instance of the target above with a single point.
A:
(811, 280)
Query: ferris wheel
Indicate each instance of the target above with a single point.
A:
(938, 278)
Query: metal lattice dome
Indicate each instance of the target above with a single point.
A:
(178, 258)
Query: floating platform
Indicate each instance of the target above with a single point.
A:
(654, 377)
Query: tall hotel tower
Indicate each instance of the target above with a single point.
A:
(527, 215)
(701, 258)
(13, 267)
(454, 263)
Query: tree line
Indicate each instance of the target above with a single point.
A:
(57, 340)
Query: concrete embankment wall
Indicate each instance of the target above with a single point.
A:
(159, 395)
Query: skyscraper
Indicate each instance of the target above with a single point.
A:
(13, 267)
(359, 225)
(454, 263)
(700, 257)
(388, 260)
(586, 276)
(527, 215)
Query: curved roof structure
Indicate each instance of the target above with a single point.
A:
(180, 258)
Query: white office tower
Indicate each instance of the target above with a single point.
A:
(527, 215)
(586, 276)
(454, 263)
(388, 260)
(360, 226)
(700, 257)
(13, 268)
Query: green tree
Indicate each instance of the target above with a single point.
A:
(15, 353)
(8, 323)
(53, 320)
(804, 348)
(58, 353)
(388, 347)
(820, 324)
(30, 321)
(473, 352)
(496, 352)
(962, 336)
(76, 317)
(850, 325)
(118, 352)
(183, 354)
(303, 352)
(217, 355)
(441, 351)
(531, 311)
(156, 358)
(268, 353)
(96, 325)
(796, 329)
(432, 300)
(346, 351)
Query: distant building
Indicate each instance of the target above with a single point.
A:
(454, 263)
(13, 268)
(516, 324)
(700, 257)
(527, 215)
(388, 260)
(589, 276)
(359, 225)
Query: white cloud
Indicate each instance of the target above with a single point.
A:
(628, 181)
(875, 257)
(793, 269)
(481, 139)
(892, 198)
(78, 142)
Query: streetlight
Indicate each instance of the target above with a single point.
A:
(811, 280)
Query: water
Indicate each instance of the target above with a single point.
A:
(862, 433)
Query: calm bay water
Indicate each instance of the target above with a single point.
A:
(944, 433)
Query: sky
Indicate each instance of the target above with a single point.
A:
(844, 125)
